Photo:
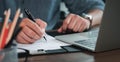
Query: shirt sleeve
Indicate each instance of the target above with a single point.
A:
(5, 5)
(83, 6)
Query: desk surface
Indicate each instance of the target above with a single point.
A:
(86, 56)
(109, 56)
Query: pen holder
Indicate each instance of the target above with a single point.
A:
(1, 56)
(8, 55)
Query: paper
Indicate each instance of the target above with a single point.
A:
(50, 44)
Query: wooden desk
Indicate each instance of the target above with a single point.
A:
(86, 56)
(109, 56)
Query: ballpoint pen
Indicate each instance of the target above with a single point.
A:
(31, 17)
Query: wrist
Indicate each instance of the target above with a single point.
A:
(89, 18)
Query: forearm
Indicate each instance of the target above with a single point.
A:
(97, 16)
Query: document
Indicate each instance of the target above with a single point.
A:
(50, 44)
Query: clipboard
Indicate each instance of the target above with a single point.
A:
(45, 48)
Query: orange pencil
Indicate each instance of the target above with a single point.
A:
(4, 37)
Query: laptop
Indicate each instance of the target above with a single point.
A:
(104, 38)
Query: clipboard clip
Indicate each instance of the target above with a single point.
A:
(39, 51)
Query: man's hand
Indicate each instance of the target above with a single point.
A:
(31, 31)
(75, 23)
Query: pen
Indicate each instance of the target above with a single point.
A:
(30, 16)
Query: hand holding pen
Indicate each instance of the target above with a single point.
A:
(32, 30)
(30, 16)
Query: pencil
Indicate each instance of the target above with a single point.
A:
(4, 37)
(11, 30)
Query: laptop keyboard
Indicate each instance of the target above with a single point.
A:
(89, 43)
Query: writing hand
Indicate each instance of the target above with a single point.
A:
(31, 31)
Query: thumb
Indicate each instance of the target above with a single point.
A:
(60, 30)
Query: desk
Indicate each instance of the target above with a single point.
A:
(86, 56)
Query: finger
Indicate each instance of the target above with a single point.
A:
(30, 33)
(21, 40)
(77, 25)
(72, 22)
(24, 22)
(60, 30)
(41, 24)
(25, 37)
(84, 28)
(81, 28)
(66, 22)
(33, 26)
(85, 24)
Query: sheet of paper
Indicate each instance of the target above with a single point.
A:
(50, 44)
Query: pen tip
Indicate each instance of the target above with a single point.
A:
(45, 38)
